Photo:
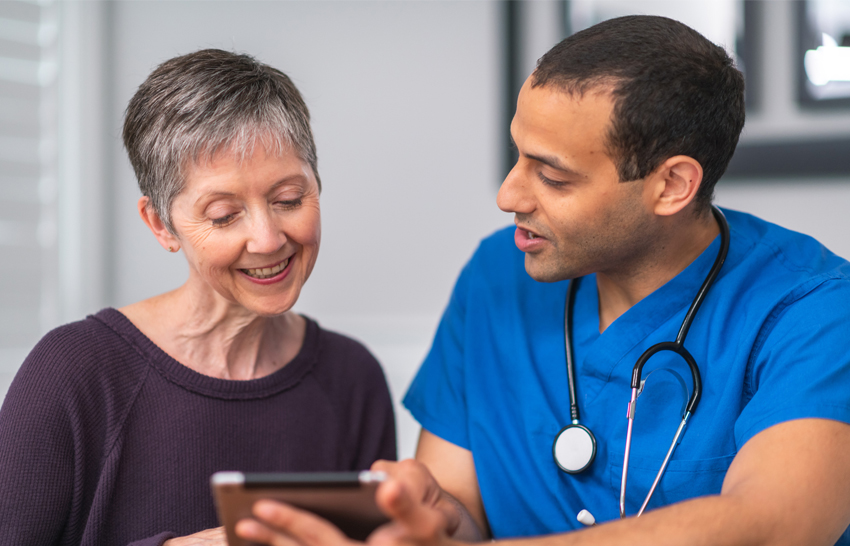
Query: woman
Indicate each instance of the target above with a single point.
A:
(114, 424)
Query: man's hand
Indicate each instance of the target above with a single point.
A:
(413, 500)
(422, 514)
(453, 468)
(279, 524)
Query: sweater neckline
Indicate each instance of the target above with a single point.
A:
(180, 374)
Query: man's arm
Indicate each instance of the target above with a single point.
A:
(454, 469)
(790, 484)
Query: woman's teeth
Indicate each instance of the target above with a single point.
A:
(266, 272)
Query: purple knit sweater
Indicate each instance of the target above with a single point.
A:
(107, 440)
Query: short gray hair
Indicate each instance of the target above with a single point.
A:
(194, 106)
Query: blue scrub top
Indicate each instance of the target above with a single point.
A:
(771, 341)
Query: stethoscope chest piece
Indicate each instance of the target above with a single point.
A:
(574, 448)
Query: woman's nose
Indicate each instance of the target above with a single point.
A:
(266, 236)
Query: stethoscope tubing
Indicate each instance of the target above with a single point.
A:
(676, 346)
(568, 327)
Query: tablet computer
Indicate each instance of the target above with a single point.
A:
(346, 499)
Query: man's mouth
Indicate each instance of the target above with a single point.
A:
(530, 234)
(266, 272)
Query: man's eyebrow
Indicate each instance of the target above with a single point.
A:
(553, 162)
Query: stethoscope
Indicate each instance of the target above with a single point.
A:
(574, 448)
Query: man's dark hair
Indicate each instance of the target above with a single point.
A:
(674, 93)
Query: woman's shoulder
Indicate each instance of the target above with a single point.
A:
(87, 351)
(342, 356)
(82, 378)
(335, 345)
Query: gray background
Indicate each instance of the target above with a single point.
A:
(405, 98)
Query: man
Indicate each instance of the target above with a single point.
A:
(623, 131)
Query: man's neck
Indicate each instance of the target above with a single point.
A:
(678, 244)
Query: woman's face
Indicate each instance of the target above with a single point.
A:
(250, 229)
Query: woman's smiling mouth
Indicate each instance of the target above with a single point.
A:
(266, 272)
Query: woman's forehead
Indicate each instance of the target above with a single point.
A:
(240, 146)
(232, 173)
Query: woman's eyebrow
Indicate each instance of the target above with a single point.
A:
(283, 181)
(287, 179)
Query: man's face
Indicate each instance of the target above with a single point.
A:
(573, 215)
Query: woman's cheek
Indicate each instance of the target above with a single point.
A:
(197, 234)
(312, 225)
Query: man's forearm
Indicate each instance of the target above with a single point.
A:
(719, 520)
(706, 520)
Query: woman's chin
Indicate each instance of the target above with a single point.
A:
(268, 306)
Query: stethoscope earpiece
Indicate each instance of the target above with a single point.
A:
(586, 518)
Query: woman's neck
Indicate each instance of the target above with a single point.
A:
(215, 337)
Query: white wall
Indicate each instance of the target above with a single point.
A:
(820, 208)
(405, 104)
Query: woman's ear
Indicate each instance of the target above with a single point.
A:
(156, 225)
(677, 181)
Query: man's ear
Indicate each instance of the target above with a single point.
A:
(676, 182)
(155, 224)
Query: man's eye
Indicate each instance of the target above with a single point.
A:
(549, 182)
(223, 221)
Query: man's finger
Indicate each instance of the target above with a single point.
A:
(415, 517)
(283, 525)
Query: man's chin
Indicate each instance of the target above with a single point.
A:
(542, 271)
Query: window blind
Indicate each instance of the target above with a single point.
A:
(28, 167)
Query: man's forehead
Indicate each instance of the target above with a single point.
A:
(575, 87)
(563, 130)
(579, 95)
(550, 111)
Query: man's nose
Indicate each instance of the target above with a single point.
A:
(514, 195)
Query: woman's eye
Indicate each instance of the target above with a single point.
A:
(290, 204)
(223, 221)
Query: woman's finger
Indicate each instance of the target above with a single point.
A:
(384, 466)
(255, 531)
(208, 537)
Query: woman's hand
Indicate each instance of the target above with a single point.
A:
(209, 537)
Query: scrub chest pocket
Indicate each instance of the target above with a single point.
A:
(681, 479)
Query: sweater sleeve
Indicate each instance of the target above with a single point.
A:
(36, 454)
(355, 386)
(372, 414)
(379, 442)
